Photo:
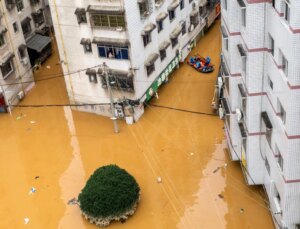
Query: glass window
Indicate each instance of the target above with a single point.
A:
(244, 20)
(108, 20)
(163, 54)
(146, 39)
(287, 12)
(183, 28)
(271, 45)
(7, 69)
(181, 4)
(174, 42)
(2, 41)
(16, 27)
(113, 52)
(20, 5)
(281, 112)
(159, 26)
(171, 15)
(150, 69)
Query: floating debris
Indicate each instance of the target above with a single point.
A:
(242, 210)
(32, 122)
(26, 220)
(36, 177)
(225, 166)
(72, 201)
(21, 115)
(216, 170)
(159, 180)
(32, 190)
(221, 196)
(48, 66)
(192, 154)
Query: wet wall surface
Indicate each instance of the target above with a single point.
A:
(55, 150)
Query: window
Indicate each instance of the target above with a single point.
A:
(38, 18)
(280, 161)
(244, 65)
(271, 45)
(26, 27)
(267, 166)
(144, 9)
(163, 54)
(16, 27)
(174, 41)
(171, 15)
(7, 69)
(22, 53)
(226, 83)
(113, 52)
(81, 15)
(118, 81)
(287, 12)
(273, 3)
(2, 41)
(225, 4)
(243, 11)
(146, 39)
(33, 2)
(268, 126)
(19, 5)
(160, 26)
(182, 4)
(270, 83)
(87, 47)
(112, 21)
(150, 69)
(183, 28)
(285, 65)
(281, 112)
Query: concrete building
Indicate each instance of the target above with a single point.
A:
(22, 26)
(261, 76)
(141, 41)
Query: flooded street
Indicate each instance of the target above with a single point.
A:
(55, 150)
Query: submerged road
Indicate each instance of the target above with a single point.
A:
(55, 150)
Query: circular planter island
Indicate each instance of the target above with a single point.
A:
(111, 193)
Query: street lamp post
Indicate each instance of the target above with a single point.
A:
(113, 116)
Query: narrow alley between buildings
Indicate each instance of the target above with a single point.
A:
(55, 150)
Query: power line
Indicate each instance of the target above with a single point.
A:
(183, 110)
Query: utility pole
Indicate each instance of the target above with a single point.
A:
(112, 107)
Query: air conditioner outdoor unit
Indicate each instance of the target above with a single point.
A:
(239, 115)
(20, 95)
(24, 60)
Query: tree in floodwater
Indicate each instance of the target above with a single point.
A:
(111, 193)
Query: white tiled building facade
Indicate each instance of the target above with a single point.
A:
(19, 21)
(261, 75)
(141, 41)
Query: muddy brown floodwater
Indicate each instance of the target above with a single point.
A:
(55, 150)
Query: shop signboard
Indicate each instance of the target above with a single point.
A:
(162, 77)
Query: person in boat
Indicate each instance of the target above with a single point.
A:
(198, 65)
(207, 61)
(192, 60)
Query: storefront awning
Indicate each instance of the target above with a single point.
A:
(38, 42)
(114, 10)
(194, 12)
(173, 5)
(241, 3)
(202, 3)
(116, 72)
(110, 41)
(161, 16)
(80, 11)
(241, 50)
(224, 32)
(164, 45)
(151, 59)
(90, 71)
(175, 33)
(2, 29)
(6, 58)
(85, 41)
(148, 28)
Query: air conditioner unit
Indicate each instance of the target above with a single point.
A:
(146, 13)
(277, 206)
(239, 115)
(24, 60)
(20, 95)
(120, 29)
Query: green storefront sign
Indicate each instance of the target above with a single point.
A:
(162, 77)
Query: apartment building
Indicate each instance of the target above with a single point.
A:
(22, 44)
(141, 41)
(261, 104)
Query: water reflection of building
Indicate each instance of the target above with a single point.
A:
(260, 69)
(141, 41)
(21, 22)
